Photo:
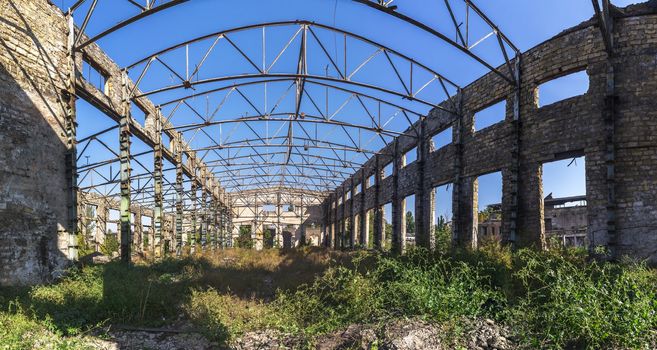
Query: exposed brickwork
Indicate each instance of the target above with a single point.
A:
(34, 196)
(574, 126)
(33, 187)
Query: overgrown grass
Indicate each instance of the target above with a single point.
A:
(555, 299)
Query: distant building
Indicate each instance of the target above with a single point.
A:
(565, 220)
(490, 222)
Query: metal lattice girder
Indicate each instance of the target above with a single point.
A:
(293, 158)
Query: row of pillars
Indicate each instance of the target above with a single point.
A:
(464, 189)
(208, 223)
(215, 218)
(347, 233)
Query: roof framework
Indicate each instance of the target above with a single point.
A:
(307, 119)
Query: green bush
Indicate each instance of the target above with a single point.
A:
(418, 284)
(110, 245)
(549, 300)
(570, 303)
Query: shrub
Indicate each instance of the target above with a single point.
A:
(569, 303)
(110, 245)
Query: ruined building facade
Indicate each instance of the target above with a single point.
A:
(613, 125)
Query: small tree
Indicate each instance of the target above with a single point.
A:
(244, 239)
(410, 223)
(443, 234)
(111, 244)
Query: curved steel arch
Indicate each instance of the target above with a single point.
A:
(308, 118)
(344, 163)
(256, 82)
(288, 76)
(377, 5)
(247, 143)
(302, 78)
(289, 23)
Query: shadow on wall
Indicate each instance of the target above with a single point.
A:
(33, 189)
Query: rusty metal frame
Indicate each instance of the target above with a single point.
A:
(240, 173)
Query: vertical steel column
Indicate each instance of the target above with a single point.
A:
(179, 195)
(124, 141)
(158, 178)
(71, 145)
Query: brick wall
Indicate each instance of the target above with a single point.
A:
(33, 186)
(575, 126)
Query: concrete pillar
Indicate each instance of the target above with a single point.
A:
(330, 218)
(364, 217)
(194, 190)
(279, 232)
(139, 229)
(124, 157)
(466, 216)
(179, 195)
(424, 193)
(379, 229)
(343, 220)
(71, 145)
(352, 219)
(398, 204)
(302, 224)
(203, 225)
(158, 219)
(531, 231)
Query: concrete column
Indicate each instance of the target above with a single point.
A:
(379, 229)
(330, 219)
(511, 175)
(531, 231)
(179, 195)
(302, 224)
(336, 222)
(71, 145)
(158, 219)
(215, 224)
(203, 225)
(424, 194)
(139, 229)
(124, 157)
(352, 220)
(467, 215)
(279, 232)
(364, 217)
(343, 220)
(194, 190)
(398, 204)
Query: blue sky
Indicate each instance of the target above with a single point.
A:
(526, 23)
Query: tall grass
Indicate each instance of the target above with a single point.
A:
(551, 300)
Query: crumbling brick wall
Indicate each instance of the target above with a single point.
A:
(571, 127)
(33, 187)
